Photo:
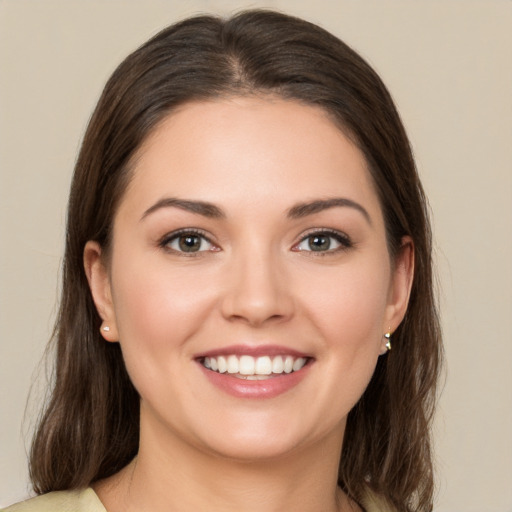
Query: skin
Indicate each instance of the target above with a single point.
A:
(256, 281)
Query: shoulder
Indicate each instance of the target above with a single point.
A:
(81, 500)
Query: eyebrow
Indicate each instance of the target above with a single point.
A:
(297, 211)
(304, 209)
(200, 207)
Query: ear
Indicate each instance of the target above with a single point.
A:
(400, 288)
(99, 283)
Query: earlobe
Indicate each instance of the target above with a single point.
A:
(99, 284)
(400, 289)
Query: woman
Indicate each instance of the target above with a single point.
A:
(247, 240)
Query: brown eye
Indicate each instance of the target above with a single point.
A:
(319, 242)
(324, 241)
(187, 242)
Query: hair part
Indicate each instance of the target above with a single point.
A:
(90, 427)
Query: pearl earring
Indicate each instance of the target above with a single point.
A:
(388, 339)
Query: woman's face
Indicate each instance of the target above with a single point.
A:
(249, 283)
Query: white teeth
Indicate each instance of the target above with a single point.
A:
(233, 364)
(288, 364)
(222, 364)
(297, 364)
(263, 366)
(252, 368)
(246, 366)
(277, 365)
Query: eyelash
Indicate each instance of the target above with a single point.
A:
(192, 232)
(341, 238)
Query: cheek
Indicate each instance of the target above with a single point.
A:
(349, 305)
(348, 310)
(151, 296)
(352, 332)
(157, 310)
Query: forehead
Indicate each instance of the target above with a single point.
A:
(249, 149)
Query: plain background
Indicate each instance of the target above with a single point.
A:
(448, 64)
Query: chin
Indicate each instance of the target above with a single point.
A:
(256, 438)
(252, 449)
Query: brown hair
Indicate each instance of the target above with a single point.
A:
(90, 427)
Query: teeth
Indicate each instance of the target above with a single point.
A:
(222, 364)
(277, 365)
(246, 365)
(297, 364)
(263, 366)
(233, 366)
(254, 368)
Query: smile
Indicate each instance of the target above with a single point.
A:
(254, 368)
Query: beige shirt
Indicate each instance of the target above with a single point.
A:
(61, 501)
(87, 501)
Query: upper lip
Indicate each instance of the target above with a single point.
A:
(252, 350)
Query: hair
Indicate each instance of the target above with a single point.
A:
(89, 429)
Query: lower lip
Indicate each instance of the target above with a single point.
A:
(261, 389)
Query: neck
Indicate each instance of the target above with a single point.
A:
(179, 477)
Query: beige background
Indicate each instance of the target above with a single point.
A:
(448, 64)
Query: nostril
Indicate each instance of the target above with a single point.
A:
(257, 291)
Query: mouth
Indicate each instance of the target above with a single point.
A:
(255, 372)
(247, 367)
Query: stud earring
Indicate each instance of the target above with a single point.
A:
(106, 328)
(388, 339)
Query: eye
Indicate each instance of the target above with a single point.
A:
(187, 241)
(323, 241)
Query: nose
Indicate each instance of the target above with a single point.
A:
(257, 289)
